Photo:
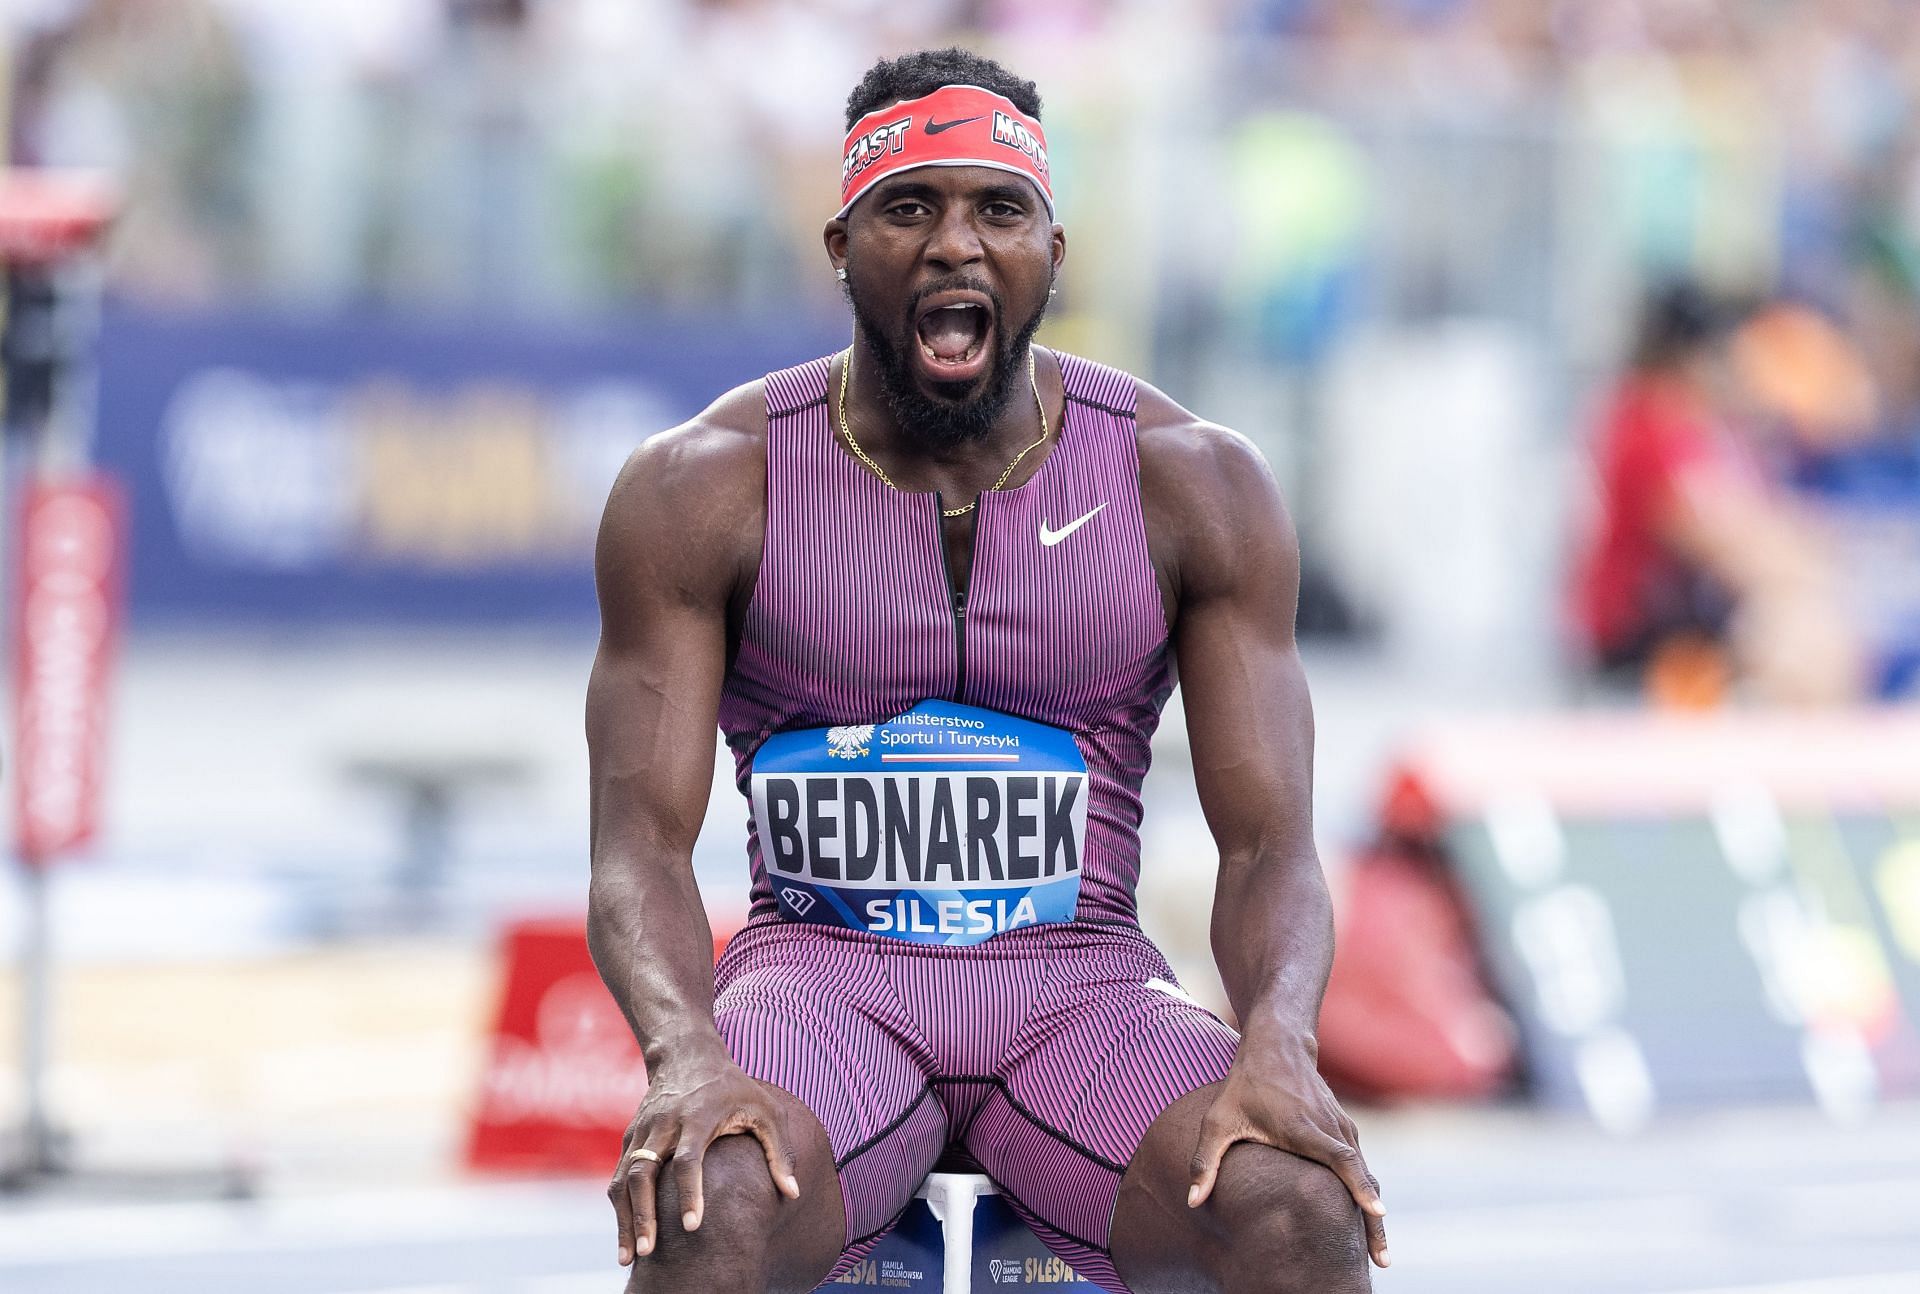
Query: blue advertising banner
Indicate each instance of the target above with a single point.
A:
(363, 469)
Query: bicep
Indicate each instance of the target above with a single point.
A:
(653, 696)
(1249, 718)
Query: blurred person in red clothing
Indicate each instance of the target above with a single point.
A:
(1700, 573)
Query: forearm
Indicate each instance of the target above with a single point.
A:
(648, 932)
(1273, 943)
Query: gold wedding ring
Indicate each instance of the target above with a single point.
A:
(643, 1153)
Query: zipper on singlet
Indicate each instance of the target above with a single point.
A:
(958, 596)
(960, 644)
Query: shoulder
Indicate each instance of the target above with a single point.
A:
(716, 459)
(1184, 452)
(1214, 476)
(1211, 502)
(1180, 452)
(693, 495)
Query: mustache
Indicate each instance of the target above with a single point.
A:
(955, 283)
(945, 415)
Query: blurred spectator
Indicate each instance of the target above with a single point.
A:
(583, 153)
(1254, 188)
(1700, 571)
(157, 96)
(1801, 373)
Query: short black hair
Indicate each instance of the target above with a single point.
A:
(922, 72)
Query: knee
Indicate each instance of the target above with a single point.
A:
(738, 1207)
(1290, 1218)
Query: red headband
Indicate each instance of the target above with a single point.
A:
(956, 125)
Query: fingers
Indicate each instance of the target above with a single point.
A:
(634, 1192)
(779, 1158)
(636, 1185)
(1377, 1239)
(1344, 1158)
(1350, 1168)
(1215, 1137)
(1326, 1136)
(622, 1212)
(689, 1161)
(689, 1158)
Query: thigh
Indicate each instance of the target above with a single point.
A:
(1115, 1043)
(1154, 1232)
(824, 1028)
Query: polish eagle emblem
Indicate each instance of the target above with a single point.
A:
(849, 741)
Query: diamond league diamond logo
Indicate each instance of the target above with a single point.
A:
(798, 900)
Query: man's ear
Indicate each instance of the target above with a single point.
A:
(835, 238)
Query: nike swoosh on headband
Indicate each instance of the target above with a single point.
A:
(924, 132)
(1048, 537)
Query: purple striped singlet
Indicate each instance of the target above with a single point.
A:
(1043, 1053)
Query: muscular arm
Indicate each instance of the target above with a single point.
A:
(666, 566)
(652, 702)
(1251, 727)
(1235, 567)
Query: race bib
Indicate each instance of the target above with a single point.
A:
(947, 824)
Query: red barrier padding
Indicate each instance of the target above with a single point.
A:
(563, 1075)
(1606, 763)
(66, 617)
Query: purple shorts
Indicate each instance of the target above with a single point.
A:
(1041, 1055)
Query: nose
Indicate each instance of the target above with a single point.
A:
(954, 241)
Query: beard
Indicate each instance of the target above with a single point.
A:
(949, 418)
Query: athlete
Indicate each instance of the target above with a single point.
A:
(934, 589)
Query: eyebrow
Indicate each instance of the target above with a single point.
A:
(1012, 191)
(891, 190)
(1015, 192)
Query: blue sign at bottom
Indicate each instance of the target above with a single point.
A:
(1006, 1255)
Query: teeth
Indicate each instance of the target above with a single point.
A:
(972, 351)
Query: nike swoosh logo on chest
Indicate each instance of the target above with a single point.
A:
(1049, 537)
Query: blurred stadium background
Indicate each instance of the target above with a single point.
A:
(1631, 931)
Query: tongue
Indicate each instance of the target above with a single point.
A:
(949, 333)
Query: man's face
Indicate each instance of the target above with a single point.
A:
(948, 271)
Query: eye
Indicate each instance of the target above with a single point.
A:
(999, 209)
(907, 208)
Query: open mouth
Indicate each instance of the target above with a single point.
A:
(954, 337)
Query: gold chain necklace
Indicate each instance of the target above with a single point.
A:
(846, 367)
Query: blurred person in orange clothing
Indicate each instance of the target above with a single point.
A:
(1701, 574)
